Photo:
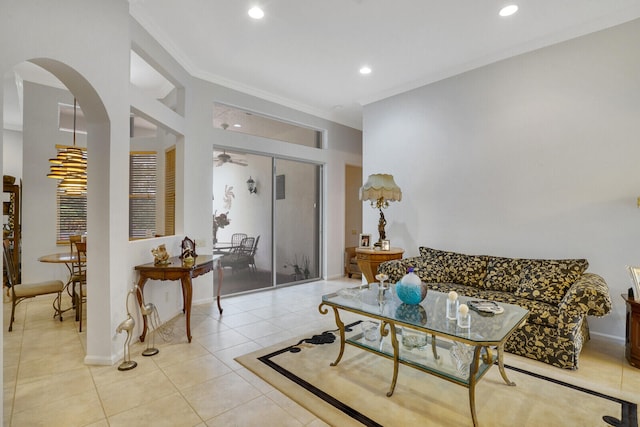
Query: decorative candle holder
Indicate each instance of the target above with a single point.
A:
(464, 317)
(452, 306)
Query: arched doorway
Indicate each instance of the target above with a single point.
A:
(98, 345)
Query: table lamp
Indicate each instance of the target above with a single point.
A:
(380, 189)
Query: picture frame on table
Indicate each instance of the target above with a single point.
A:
(365, 240)
(634, 273)
(385, 245)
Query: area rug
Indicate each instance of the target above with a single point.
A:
(353, 393)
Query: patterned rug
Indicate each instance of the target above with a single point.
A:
(353, 393)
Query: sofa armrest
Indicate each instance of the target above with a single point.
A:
(397, 268)
(589, 295)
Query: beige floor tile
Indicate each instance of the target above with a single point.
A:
(291, 407)
(255, 380)
(240, 319)
(61, 386)
(275, 310)
(204, 368)
(219, 395)
(317, 423)
(175, 352)
(169, 411)
(210, 326)
(78, 410)
(124, 395)
(105, 375)
(222, 340)
(101, 423)
(258, 412)
(48, 364)
(259, 329)
(228, 355)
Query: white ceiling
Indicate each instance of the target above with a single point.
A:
(306, 54)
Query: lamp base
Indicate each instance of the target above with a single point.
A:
(381, 223)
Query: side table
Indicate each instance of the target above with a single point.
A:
(369, 260)
(632, 336)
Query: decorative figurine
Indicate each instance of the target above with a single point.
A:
(150, 311)
(160, 255)
(127, 326)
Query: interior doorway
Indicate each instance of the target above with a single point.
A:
(353, 205)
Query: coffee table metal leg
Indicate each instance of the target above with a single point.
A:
(396, 356)
(340, 327)
(501, 366)
(472, 383)
(434, 347)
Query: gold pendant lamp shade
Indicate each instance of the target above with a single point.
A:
(70, 165)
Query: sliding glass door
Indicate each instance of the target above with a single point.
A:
(297, 221)
(274, 205)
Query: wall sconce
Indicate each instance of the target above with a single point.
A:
(251, 185)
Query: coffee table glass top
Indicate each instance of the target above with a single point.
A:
(430, 315)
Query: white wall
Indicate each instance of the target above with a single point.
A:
(95, 68)
(12, 154)
(534, 156)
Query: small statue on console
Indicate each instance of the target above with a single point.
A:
(160, 255)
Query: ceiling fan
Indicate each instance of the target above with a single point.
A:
(222, 158)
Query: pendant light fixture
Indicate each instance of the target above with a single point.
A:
(70, 165)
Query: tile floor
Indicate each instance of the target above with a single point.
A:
(199, 384)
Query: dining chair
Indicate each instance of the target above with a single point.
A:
(73, 238)
(239, 257)
(22, 291)
(252, 255)
(79, 279)
(236, 239)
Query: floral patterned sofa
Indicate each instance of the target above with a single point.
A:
(558, 293)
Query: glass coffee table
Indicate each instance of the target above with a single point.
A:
(403, 334)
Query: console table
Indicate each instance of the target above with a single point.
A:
(176, 270)
(369, 260)
(632, 336)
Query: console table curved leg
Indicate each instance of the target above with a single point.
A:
(141, 283)
(186, 292)
(220, 276)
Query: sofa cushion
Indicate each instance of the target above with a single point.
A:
(459, 268)
(549, 280)
(503, 274)
(429, 267)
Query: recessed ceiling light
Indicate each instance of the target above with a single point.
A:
(508, 10)
(365, 70)
(256, 13)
